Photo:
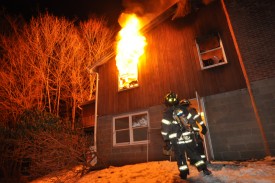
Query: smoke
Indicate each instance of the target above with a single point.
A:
(147, 9)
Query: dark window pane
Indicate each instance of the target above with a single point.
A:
(122, 136)
(213, 57)
(140, 134)
(122, 123)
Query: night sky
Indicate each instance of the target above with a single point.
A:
(83, 9)
(71, 9)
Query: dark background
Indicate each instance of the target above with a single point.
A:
(71, 9)
(84, 9)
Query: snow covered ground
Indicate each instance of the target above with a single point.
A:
(262, 171)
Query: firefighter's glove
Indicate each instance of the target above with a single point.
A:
(168, 145)
(167, 148)
(203, 129)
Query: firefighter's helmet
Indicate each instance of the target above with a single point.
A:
(171, 99)
(185, 102)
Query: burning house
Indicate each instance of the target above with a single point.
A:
(207, 53)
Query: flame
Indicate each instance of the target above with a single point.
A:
(130, 47)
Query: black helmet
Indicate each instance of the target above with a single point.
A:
(185, 102)
(171, 99)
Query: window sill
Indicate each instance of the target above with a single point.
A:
(125, 89)
(130, 144)
(214, 65)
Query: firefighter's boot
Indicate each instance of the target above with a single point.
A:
(206, 171)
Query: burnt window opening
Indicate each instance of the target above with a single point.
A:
(210, 50)
(127, 81)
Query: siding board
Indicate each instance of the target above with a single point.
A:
(171, 62)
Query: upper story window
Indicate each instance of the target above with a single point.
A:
(131, 129)
(128, 80)
(129, 50)
(211, 51)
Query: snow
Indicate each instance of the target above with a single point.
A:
(260, 171)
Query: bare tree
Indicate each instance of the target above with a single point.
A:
(45, 64)
(97, 40)
(19, 88)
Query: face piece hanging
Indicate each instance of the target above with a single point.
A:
(185, 102)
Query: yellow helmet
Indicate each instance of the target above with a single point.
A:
(171, 99)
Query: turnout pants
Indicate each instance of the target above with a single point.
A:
(195, 159)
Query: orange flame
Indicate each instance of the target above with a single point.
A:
(130, 47)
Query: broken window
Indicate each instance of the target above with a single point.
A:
(210, 50)
(127, 81)
(131, 129)
(130, 48)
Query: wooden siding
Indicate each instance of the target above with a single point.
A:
(171, 63)
(88, 115)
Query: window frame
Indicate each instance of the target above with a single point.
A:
(131, 129)
(200, 53)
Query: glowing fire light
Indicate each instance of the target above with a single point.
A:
(130, 48)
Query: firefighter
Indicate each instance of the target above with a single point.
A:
(178, 132)
(198, 127)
